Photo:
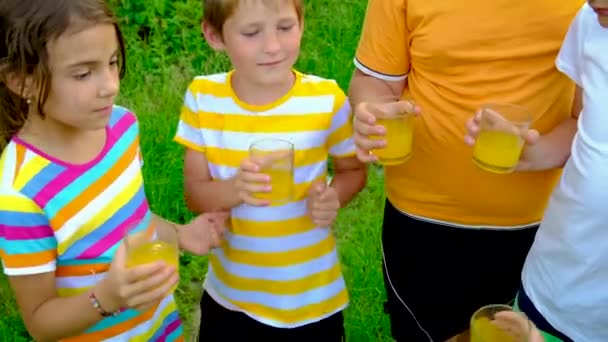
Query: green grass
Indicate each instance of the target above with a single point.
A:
(165, 50)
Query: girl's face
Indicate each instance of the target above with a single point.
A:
(85, 78)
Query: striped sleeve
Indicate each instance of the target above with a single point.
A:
(27, 242)
(340, 141)
(189, 133)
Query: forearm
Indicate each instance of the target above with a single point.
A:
(348, 183)
(557, 143)
(63, 317)
(212, 196)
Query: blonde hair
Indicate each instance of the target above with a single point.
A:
(216, 12)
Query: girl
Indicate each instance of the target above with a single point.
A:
(70, 181)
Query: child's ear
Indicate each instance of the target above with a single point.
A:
(22, 86)
(212, 36)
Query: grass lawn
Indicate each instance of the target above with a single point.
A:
(165, 50)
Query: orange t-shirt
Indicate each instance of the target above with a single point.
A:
(457, 55)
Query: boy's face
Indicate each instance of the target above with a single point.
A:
(601, 8)
(263, 40)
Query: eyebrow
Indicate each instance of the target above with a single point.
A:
(88, 63)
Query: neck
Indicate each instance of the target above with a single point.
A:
(69, 144)
(261, 94)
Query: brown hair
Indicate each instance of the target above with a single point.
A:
(26, 28)
(216, 12)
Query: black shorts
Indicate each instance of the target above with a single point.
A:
(221, 324)
(436, 276)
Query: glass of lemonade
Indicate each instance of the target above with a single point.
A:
(500, 141)
(499, 323)
(399, 127)
(146, 243)
(276, 159)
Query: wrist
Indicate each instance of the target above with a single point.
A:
(234, 191)
(103, 298)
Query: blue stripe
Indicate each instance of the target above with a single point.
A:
(78, 262)
(161, 330)
(70, 192)
(21, 219)
(117, 113)
(14, 247)
(112, 321)
(122, 215)
(42, 179)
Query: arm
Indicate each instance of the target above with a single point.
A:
(51, 318)
(552, 149)
(349, 178)
(558, 141)
(203, 194)
(365, 87)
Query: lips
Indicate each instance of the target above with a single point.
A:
(270, 63)
(601, 11)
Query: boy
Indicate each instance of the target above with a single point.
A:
(278, 267)
(565, 276)
(566, 271)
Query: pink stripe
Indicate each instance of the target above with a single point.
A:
(115, 236)
(123, 124)
(56, 185)
(25, 233)
(169, 329)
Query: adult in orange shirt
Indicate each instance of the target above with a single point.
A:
(454, 236)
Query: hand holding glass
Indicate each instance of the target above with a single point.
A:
(399, 125)
(146, 243)
(500, 141)
(499, 323)
(276, 159)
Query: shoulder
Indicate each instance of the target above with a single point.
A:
(122, 115)
(202, 82)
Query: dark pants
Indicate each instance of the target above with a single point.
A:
(221, 324)
(436, 276)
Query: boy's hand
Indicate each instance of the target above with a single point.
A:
(249, 181)
(140, 287)
(203, 233)
(532, 156)
(323, 204)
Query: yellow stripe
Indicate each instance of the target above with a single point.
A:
(30, 170)
(18, 203)
(233, 158)
(166, 312)
(271, 229)
(280, 259)
(189, 144)
(69, 292)
(208, 87)
(305, 313)
(276, 287)
(341, 134)
(115, 203)
(267, 123)
(189, 117)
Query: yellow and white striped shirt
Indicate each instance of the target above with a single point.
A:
(275, 264)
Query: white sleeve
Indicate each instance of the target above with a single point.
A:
(569, 59)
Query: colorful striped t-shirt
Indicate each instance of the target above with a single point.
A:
(69, 219)
(275, 264)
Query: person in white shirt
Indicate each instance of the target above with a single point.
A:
(565, 276)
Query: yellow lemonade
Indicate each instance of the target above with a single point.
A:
(281, 181)
(483, 330)
(497, 151)
(153, 251)
(399, 134)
